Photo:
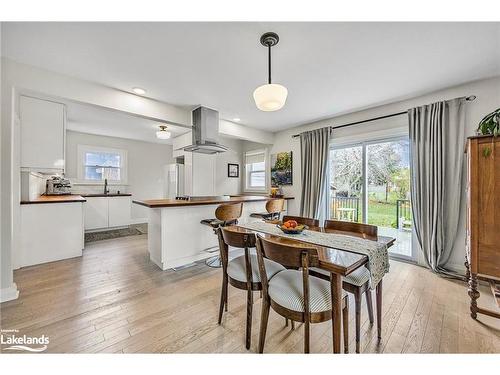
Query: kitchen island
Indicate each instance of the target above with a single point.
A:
(176, 237)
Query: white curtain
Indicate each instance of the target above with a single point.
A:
(437, 153)
(314, 150)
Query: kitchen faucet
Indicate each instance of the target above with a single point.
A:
(106, 190)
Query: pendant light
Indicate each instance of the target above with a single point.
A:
(270, 97)
(163, 133)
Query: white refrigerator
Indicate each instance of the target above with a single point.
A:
(173, 180)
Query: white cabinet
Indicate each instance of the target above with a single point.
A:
(107, 212)
(50, 232)
(203, 174)
(42, 134)
(96, 213)
(118, 211)
(178, 143)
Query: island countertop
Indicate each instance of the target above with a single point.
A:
(199, 201)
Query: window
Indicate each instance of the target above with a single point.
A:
(255, 170)
(97, 164)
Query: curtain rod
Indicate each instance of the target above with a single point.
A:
(468, 98)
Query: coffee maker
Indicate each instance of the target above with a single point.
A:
(58, 186)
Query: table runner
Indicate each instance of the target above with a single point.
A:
(378, 257)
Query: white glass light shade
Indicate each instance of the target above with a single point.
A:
(163, 134)
(270, 97)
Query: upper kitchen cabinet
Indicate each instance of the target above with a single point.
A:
(42, 134)
(181, 141)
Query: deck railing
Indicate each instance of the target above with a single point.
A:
(344, 208)
(403, 213)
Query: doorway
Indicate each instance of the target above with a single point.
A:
(370, 183)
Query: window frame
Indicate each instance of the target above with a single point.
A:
(248, 188)
(83, 149)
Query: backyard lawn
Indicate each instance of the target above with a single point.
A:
(382, 214)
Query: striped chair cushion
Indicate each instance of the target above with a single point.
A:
(286, 289)
(236, 268)
(358, 277)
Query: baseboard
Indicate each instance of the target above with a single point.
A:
(139, 221)
(9, 294)
(458, 268)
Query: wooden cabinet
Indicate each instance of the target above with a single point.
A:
(483, 222)
(42, 134)
(107, 212)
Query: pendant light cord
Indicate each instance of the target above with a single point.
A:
(269, 62)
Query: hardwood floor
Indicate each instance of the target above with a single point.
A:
(113, 299)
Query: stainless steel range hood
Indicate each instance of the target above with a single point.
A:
(205, 132)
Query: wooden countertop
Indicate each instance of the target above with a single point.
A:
(107, 195)
(158, 203)
(70, 198)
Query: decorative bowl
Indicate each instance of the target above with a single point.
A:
(297, 230)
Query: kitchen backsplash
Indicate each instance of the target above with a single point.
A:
(77, 188)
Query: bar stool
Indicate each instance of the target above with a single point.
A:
(273, 208)
(225, 214)
(242, 272)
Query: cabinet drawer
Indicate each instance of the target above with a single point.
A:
(488, 260)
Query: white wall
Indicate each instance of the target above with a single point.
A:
(224, 184)
(488, 99)
(231, 129)
(145, 163)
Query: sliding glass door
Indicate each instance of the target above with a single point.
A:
(370, 183)
(346, 183)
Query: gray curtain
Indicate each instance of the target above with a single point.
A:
(314, 150)
(437, 152)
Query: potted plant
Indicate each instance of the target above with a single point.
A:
(490, 124)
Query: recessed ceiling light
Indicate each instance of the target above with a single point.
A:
(139, 91)
(237, 119)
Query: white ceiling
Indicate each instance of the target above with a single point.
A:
(328, 68)
(94, 120)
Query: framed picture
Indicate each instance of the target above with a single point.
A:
(233, 170)
(281, 169)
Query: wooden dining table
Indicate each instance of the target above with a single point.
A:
(339, 263)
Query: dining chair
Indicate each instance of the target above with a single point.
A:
(358, 282)
(293, 293)
(225, 214)
(242, 272)
(302, 220)
(273, 210)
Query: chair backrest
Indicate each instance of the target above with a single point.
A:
(275, 206)
(229, 212)
(242, 239)
(302, 220)
(289, 254)
(367, 231)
